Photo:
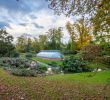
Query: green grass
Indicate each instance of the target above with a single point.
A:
(90, 77)
(58, 62)
(56, 87)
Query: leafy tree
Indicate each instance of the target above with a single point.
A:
(72, 7)
(101, 22)
(6, 46)
(54, 37)
(71, 30)
(29, 45)
(83, 30)
(79, 34)
(36, 46)
(43, 41)
(21, 44)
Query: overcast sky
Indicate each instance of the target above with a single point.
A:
(29, 16)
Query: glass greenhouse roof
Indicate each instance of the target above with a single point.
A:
(50, 54)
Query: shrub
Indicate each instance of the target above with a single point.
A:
(73, 64)
(42, 69)
(23, 72)
(68, 52)
(53, 64)
(90, 52)
(103, 60)
(15, 54)
(28, 55)
(15, 62)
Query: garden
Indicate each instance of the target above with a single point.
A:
(67, 60)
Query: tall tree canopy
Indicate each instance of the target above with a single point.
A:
(71, 30)
(71, 7)
(101, 22)
(6, 46)
(54, 37)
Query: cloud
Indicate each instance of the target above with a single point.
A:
(4, 24)
(38, 26)
(30, 16)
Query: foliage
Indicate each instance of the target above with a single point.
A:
(29, 55)
(90, 52)
(79, 34)
(42, 69)
(69, 52)
(14, 54)
(105, 47)
(101, 22)
(6, 46)
(71, 30)
(73, 7)
(54, 37)
(15, 62)
(84, 33)
(104, 60)
(23, 72)
(74, 65)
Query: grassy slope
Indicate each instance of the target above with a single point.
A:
(53, 88)
(46, 60)
(100, 77)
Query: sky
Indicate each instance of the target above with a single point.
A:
(30, 16)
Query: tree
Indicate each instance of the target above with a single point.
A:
(71, 30)
(54, 37)
(21, 44)
(101, 22)
(43, 41)
(72, 7)
(83, 30)
(29, 45)
(6, 46)
(36, 45)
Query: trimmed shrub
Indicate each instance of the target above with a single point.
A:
(74, 65)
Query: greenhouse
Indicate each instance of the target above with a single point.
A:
(50, 54)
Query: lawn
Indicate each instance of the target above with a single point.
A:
(56, 87)
(47, 61)
(87, 77)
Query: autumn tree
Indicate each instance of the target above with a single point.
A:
(83, 30)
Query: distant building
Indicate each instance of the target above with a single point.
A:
(51, 54)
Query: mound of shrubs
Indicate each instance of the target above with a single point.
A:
(22, 67)
(75, 65)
